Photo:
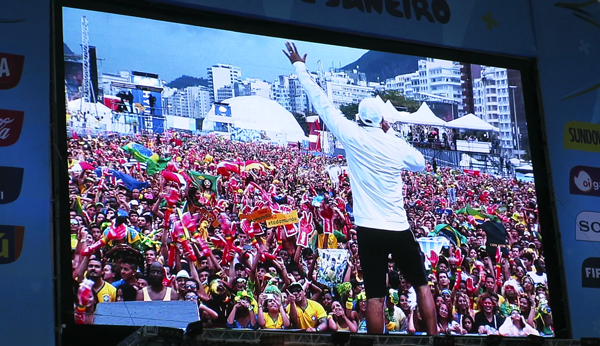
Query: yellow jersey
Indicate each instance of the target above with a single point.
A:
(107, 293)
(270, 323)
(309, 317)
(326, 241)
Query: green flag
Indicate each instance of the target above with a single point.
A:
(479, 215)
(153, 167)
(198, 179)
(450, 233)
(154, 163)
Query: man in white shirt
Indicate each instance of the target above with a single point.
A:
(376, 158)
(539, 274)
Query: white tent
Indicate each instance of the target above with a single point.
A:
(423, 116)
(391, 114)
(471, 122)
(97, 114)
(525, 167)
(79, 105)
(258, 114)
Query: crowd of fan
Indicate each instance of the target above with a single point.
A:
(267, 278)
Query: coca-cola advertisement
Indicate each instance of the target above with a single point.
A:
(11, 123)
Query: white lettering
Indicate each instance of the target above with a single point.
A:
(4, 131)
(4, 71)
(592, 272)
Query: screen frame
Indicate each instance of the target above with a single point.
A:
(67, 331)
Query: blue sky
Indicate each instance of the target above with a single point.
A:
(171, 50)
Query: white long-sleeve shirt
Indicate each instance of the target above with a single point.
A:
(375, 162)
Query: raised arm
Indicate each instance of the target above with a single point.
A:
(336, 122)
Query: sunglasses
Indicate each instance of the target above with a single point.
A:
(191, 286)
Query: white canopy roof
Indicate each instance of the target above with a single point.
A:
(260, 114)
(471, 122)
(423, 116)
(391, 113)
(97, 108)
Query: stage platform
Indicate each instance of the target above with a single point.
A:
(150, 336)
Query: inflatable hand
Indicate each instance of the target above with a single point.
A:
(265, 256)
(458, 278)
(470, 287)
(178, 235)
(167, 282)
(459, 258)
(498, 255)
(471, 219)
(279, 233)
(327, 215)
(190, 222)
(85, 297)
(85, 294)
(221, 205)
(225, 224)
(172, 198)
(248, 228)
(204, 249)
(114, 233)
(434, 259)
(340, 203)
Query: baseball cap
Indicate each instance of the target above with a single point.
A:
(295, 285)
(369, 112)
(183, 274)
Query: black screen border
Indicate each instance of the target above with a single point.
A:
(66, 330)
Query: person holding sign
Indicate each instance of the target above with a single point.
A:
(376, 158)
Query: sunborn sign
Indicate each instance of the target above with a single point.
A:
(431, 10)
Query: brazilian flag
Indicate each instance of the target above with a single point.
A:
(154, 163)
(477, 214)
(445, 230)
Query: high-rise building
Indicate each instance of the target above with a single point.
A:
(222, 80)
(288, 92)
(435, 80)
(190, 102)
(492, 104)
(518, 109)
(253, 87)
(468, 72)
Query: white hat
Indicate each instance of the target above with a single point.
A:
(183, 274)
(369, 112)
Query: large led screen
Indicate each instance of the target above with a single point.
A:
(211, 180)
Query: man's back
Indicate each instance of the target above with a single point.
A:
(375, 161)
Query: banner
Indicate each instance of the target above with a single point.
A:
(26, 232)
(332, 265)
(258, 215)
(283, 219)
(569, 76)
